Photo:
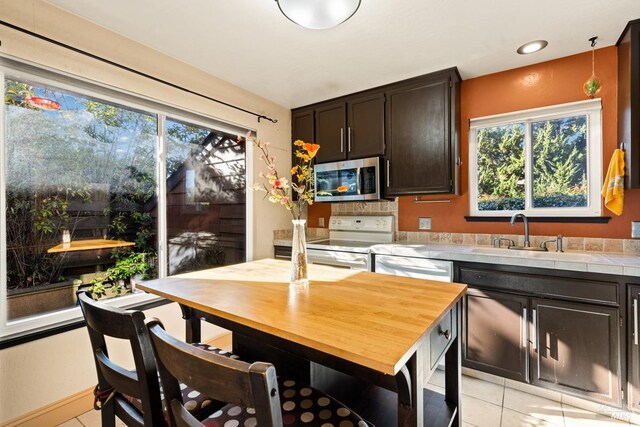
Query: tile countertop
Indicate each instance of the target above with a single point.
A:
(607, 263)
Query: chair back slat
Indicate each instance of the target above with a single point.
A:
(122, 380)
(103, 321)
(182, 417)
(219, 377)
(128, 414)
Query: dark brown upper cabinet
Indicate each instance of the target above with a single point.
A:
(302, 123)
(422, 121)
(331, 128)
(351, 128)
(365, 126)
(629, 100)
(302, 127)
(414, 123)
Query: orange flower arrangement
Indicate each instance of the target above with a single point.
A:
(278, 189)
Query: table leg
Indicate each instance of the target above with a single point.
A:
(453, 372)
(193, 332)
(410, 385)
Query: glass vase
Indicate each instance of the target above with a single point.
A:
(299, 278)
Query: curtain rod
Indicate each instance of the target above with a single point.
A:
(131, 70)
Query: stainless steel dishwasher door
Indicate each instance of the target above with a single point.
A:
(421, 268)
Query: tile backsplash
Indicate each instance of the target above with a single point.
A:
(579, 244)
(312, 233)
(390, 207)
(571, 244)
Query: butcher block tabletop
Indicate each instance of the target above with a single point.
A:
(371, 319)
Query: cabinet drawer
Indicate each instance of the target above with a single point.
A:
(282, 252)
(441, 337)
(582, 290)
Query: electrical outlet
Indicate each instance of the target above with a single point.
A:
(321, 222)
(424, 223)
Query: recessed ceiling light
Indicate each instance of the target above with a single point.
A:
(318, 14)
(533, 46)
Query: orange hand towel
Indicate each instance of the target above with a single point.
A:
(613, 187)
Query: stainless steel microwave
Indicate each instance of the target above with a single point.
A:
(350, 180)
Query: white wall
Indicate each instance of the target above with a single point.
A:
(38, 373)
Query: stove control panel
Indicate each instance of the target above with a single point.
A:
(379, 224)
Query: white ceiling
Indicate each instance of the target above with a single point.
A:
(251, 44)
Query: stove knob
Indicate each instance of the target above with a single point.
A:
(377, 222)
(384, 223)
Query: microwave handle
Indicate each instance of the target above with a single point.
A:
(388, 174)
(359, 180)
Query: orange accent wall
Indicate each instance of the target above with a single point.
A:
(539, 85)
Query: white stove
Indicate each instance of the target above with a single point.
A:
(350, 240)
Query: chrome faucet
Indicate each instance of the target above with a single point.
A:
(527, 244)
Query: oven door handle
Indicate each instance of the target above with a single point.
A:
(332, 265)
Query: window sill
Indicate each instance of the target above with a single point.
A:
(139, 302)
(556, 219)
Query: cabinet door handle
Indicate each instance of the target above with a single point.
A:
(388, 169)
(635, 321)
(525, 322)
(534, 336)
(342, 140)
(349, 139)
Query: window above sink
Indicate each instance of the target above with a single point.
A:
(542, 162)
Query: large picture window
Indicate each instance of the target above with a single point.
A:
(84, 206)
(77, 169)
(543, 162)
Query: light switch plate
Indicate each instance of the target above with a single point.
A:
(424, 223)
(321, 222)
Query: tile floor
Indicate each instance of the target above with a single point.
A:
(501, 403)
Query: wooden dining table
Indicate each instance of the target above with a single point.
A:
(388, 331)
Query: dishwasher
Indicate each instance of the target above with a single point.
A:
(420, 268)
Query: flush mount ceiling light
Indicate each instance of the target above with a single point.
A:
(318, 14)
(533, 46)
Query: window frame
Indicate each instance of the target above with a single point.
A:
(592, 109)
(23, 70)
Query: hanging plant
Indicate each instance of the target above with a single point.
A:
(593, 85)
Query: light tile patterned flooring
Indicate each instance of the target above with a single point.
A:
(487, 404)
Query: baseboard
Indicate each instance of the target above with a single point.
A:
(79, 403)
(57, 412)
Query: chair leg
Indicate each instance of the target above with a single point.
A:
(108, 414)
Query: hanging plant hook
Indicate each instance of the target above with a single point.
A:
(593, 41)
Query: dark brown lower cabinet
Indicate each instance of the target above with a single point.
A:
(575, 348)
(633, 340)
(566, 346)
(495, 333)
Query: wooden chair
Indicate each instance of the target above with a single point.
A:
(255, 396)
(133, 396)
